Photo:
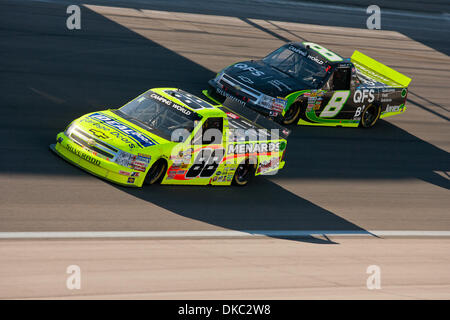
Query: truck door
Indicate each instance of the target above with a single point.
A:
(337, 101)
(208, 149)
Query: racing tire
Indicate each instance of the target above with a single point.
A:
(370, 116)
(292, 114)
(243, 174)
(156, 173)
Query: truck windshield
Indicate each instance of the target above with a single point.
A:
(159, 115)
(290, 61)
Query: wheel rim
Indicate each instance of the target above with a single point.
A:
(291, 114)
(155, 172)
(242, 174)
(370, 116)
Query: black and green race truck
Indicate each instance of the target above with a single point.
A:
(307, 84)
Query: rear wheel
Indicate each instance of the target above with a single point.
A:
(156, 173)
(370, 116)
(292, 114)
(243, 174)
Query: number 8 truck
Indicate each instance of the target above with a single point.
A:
(307, 84)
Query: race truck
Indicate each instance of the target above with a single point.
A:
(307, 84)
(169, 136)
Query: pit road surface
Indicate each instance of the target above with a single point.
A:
(392, 177)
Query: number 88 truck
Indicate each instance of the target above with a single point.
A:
(169, 136)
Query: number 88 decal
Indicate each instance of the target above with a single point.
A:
(206, 163)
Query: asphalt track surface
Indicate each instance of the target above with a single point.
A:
(393, 177)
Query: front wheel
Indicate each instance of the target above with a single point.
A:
(243, 174)
(370, 116)
(156, 173)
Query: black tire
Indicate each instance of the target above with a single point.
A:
(243, 174)
(156, 173)
(292, 114)
(370, 116)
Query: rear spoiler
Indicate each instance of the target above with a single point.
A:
(364, 62)
(254, 117)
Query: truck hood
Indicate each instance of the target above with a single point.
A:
(109, 128)
(264, 78)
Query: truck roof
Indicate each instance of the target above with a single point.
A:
(239, 117)
(318, 51)
(190, 101)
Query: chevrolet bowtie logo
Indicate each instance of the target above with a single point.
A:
(238, 87)
(98, 134)
(91, 142)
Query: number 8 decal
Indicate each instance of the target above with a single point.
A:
(335, 104)
(330, 55)
(206, 163)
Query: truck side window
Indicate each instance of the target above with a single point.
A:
(341, 79)
(212, 131)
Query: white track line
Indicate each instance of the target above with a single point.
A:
(218, 234)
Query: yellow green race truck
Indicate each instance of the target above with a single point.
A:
(169, 136)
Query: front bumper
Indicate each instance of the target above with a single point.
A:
(219, 95)
(111, 171)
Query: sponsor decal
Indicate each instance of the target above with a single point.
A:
(393, 108)
(404, 91)
(253, 71)
(140, 163)
(135, 174)
(225, 94)
(279, 104)
(125, 173)
(298, 50)
(253, 148)
(144, 155)
(122, 127)
(360, 96)
(131, 180)
(315, 59)
(171, 104)
(83, 155)
(269, 165)
(232, 115)
(171, 174)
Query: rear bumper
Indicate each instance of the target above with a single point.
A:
(110, 171)
(389, 114)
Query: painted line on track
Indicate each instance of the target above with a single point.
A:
(218, 234)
